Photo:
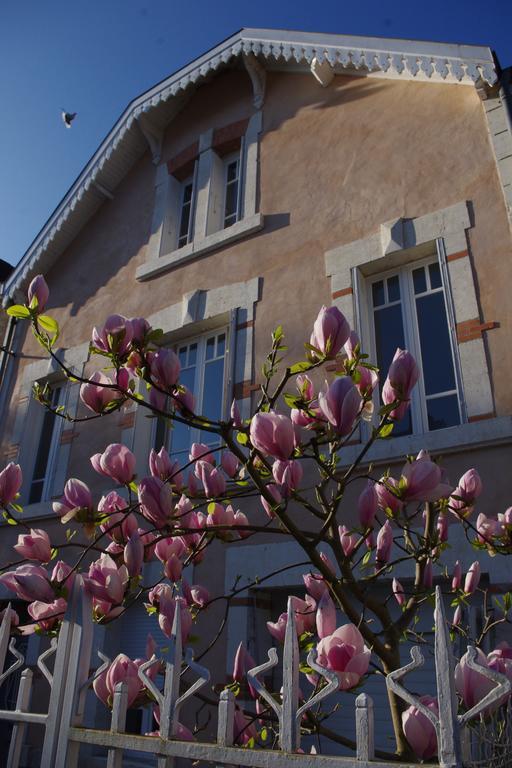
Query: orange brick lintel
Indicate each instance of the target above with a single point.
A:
(458, 255)
(473, 329)
(247, 324)
(127, 420)
(243, 389)
(67, 436)
(342, 292)
(482, 416)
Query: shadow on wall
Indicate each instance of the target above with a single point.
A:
(111, 243)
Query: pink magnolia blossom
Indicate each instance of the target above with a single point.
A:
(77, 498)
(115, 337)
(38, 293)
(348, 540)
(184, 400)
(164, 366)
(325, 616)
(340, 404)
(388, 494)
(244, 729)
(402, 377)
(384, 543)
(106, 581)
(236, 417)
(241, 519)
(63, 575)
(428, 576)
(229, 463)
(34, 545)
(367, 505)
(345, 653)
(140, 329)
(469, 488)
(287, 474)
(171, 552)
(315, 584)
(272, 434)
(214, 482)
(398, 592)
(201, 452)
(167, 609)
(456, 576)
(472, 578)
(47, 614)
(242, 664)
(134, 554)
(116, 462)
(423, 480)
(162, 466)
(29, 582)
(199, 595)
(122, 670)
(305, 387)
(11, 479)
(156, 502)
(278, 628)
(95, 395)
(488, 528)
(119, 525)
(276, 495)
(330, 331)
(470, 684)
(419, 731)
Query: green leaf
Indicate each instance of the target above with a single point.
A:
(304, 365)
(386, 430)
(211, 508)
(133, 486)
(291, 400)
(8, 519)
(242, 438)
(264, 734)
(54, 553)
(18, 310)
(49, 325)
(17, 507)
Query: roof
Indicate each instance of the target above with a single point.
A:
(275, 49)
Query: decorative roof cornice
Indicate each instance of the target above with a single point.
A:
(375, 57)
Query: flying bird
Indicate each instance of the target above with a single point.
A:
(68, 117)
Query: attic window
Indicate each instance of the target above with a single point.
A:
(206, 196)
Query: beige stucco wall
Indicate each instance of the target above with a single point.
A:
(335, 163)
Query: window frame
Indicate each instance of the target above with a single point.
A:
(227, 161)
(192, 181)
(418, 408)
(200, 367)
(54, 447)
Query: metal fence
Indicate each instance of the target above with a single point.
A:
(471, 739)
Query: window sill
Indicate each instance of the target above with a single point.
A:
(198, 247)
(451, 440)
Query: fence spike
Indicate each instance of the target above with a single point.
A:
(252, 677)
(500, 691)
(448, 738)
(364, 728)
(42, 658)
(18, 732)
(168, 719)
(5, 631)
(118, 724)
(20, 660)
(226, 721)
(289, 732)
(332, 685)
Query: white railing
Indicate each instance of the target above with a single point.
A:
(70, 682)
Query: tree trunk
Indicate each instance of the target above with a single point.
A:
(397, 706)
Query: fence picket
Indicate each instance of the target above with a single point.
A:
(18, 732)
(118, 724)
(364, 728)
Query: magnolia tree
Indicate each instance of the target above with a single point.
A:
(289, 455)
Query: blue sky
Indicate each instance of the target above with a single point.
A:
(94, 56)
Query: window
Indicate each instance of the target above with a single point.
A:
(203, 372)
(408, 310)
(187, 202)
(232, 188)
(47, 447)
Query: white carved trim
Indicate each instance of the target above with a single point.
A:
(499, 124)
(258, 77)
(374, 57)
(322, 71)
(153, 136)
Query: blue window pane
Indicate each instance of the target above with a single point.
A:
(213, 395)
(210, 348)
(436, 352)
(420, 280)
(221, 345)
(192, 354)
(393, 288)
(443, 412)
(389, 334)
(378, 293)
(435, 275)
(182, 354)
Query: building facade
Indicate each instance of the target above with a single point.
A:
(276, 173)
